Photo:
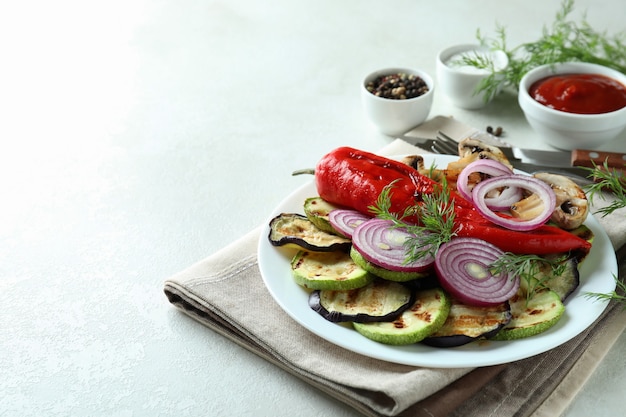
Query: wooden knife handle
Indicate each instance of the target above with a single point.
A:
(587, 158)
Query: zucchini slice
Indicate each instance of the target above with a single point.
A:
(328, 271)
(377, 301)
(467, 323)
(425, 316)
(296, 230)
(398, 276)
(533, 316)
(316, 210)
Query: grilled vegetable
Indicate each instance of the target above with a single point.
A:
(464, 268)
(563, 284)
(384, 245)
(572, 206)
(328, 271)
(586, 233)
(345, 221)
(355, 179)
(427, 314)
(296, 230)
(531, 316)
(467, 323)
(378, 301)
(398, 276)
(316, 210)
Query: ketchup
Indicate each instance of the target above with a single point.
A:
(580, 93)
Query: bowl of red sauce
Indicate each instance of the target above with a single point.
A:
(575, 104)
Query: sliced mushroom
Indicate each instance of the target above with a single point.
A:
(572, 206)
(472, 149)
(437, 174)
(414, 161)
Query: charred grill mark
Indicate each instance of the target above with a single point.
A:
(399, 323)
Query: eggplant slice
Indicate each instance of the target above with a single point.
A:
(378, 301)
(296, 230)
(563, 284)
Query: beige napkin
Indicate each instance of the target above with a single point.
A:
(226, 293)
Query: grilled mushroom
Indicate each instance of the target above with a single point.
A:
(472, 149)
(572, 206)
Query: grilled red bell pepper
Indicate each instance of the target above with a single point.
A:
(353, 178)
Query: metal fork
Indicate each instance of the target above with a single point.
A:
(445, 145)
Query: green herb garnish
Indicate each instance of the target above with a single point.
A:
(609, 180)
(436, 213)
(612, 296)
(564, 41)
(528, 268)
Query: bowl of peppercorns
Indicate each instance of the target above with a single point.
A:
(397, 99)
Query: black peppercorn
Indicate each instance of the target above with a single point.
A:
(398, 86)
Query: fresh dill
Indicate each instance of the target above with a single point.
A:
(610, 180)
(534, 270)
(566, 40)
(436, 215)
(619, 297)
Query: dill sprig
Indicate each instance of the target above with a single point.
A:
(564, 41)
(609, 180)
(436, 214)
(529, 268)
(619, 297)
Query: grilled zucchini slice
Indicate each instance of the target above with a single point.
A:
(532, 316)
(316, 209)
(424, 317)
(328, 271)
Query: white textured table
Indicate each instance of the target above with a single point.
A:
(138, 137)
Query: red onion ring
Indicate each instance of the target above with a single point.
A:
(538, 187)
(507, 197)
(383, 245)
(462, 266)
(485, 166)
(345, 220)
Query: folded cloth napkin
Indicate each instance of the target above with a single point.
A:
(225, 292)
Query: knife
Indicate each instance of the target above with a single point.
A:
(534, 160)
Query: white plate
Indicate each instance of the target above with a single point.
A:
(596, 275)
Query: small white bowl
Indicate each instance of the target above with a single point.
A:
(394, 117)
(565, 130)
(460, 82)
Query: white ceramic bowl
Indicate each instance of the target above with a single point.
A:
(394, 117)
(460, 82)
(565, 130)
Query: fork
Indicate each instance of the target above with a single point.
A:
(445, 145)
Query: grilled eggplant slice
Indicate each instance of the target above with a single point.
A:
(296, 230)
(563, 284)
(328, 271)
(378, 301)
(316, 209)
(467, 323)
(531, 316)
(425, 316)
